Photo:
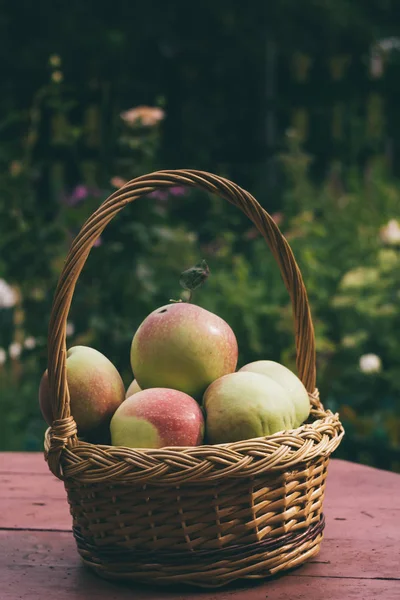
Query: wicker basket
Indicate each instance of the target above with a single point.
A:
(205, 515)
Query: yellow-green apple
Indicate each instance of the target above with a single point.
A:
(95, 387)
(157, 417)
(133, 389)
(184, 347)
(244, 405)
(289, 381)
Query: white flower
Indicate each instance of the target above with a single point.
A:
(8, 296)
(388, 44)
(370, 363)
(390, 233)
(30, 343)
(3, 356)
(70, 329)
(15, 350)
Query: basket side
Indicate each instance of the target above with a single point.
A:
(204, 535)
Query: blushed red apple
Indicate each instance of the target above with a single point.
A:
(184, 347)
(95, 387)
(156, 418)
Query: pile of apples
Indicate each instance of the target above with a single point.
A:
(186, 389)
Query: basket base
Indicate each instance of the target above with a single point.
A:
(204, 568)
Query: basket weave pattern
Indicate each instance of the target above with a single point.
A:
(205, 515)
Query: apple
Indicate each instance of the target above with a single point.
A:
(289, 381)
(133, 389)
(157, 417)
(242, 406)
(184, 347)
(95, 387)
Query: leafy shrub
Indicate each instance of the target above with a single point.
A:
(344, 233)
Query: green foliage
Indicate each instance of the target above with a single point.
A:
(345, 235)
(348, 254)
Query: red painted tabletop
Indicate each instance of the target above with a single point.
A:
(359, 559)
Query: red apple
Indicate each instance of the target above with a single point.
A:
(95, 387)
(157, 417)
(184, 347)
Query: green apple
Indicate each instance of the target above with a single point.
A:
(184, 347)
(289, 381)
(242, 406)
(156, 418)
(133, 389)
(95, 387)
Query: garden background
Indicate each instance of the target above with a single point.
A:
(297, 102)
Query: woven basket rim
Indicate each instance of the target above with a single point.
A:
(329, 417)
(88, 463)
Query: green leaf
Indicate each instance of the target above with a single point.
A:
(194, 277)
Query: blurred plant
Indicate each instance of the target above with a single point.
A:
(346, 242)
(344, 236)
(123, 278)
(344, 233)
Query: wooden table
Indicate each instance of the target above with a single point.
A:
(360, 556)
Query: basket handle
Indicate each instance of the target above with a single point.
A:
(63, 430)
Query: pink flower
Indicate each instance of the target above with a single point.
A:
(277, 217)
(159, 195)
(177, 190)
(79, 194)
(143, 115)
(118, 182)
(251, 234)
(98, 242)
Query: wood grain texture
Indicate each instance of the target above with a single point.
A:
(341, 558)
(359, 558)
(36, 565)
(82, 585)
(28, 463)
